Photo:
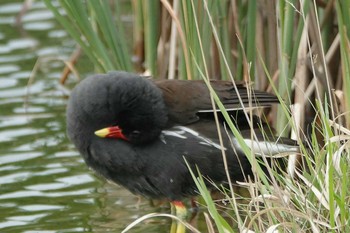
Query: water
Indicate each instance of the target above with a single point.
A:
(44, 184)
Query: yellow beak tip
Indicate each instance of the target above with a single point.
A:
(102, 133)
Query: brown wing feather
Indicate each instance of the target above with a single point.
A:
(185, 99)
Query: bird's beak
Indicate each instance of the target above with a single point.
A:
(111, 132)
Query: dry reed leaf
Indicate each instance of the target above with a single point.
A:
(322, 198)
(209, 223)
(286, 225)
(245, 230)
(337, 155)
(153, 215)
(339, 127)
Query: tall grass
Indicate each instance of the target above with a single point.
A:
(297, 49)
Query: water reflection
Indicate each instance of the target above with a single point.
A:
(45, 186)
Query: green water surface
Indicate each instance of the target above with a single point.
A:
(44, 184)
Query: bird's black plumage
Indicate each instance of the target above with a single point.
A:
(163, 122)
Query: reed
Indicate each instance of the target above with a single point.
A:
(299, 50)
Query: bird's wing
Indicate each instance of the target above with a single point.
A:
(185, 99)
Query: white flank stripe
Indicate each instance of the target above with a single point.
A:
(267, 148)
(178, 134)
(180, 131)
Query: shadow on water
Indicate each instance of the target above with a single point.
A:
(44, 184)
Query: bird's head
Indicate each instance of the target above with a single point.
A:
(118, 105)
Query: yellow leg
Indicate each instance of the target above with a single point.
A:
(181, 212)
(173, 223)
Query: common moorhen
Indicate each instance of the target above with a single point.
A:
(149, 127)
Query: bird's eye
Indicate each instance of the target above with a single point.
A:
(135, 133)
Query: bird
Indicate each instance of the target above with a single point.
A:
(141, 133)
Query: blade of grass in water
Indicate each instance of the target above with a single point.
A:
(221, 224)
(67, 24)
(113, 33)
(251, 29)
(93, 27)
(151, 21)
(287, 17)
(343, 16)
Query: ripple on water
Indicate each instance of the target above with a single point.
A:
(36, 87)
(78, 229)
(21, 220)
(17, 58)
(17, 157)
(46, 187)
(21, 74)
(28, 147)
(10, 20)
(9, 168)
(76, 180)
(52, 171)
(29, 109)
(6, 82)
(62, 154)
(15, 177)
(57, 34)
(11, 8)
(15, 92)
(4, 69)
(39, 231)
(37, 15)
(33, 193)
(27, 218)
(41, 5)
(61, 183)
(38, 26)
(80, 192)
(20, 194)
(11, 224)
(15, 44)
(9, 121)
(48, 141)
(51, 51)
(40, 207)
(14, 120)
(10, 135)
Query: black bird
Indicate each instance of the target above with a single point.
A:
(149, 127)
